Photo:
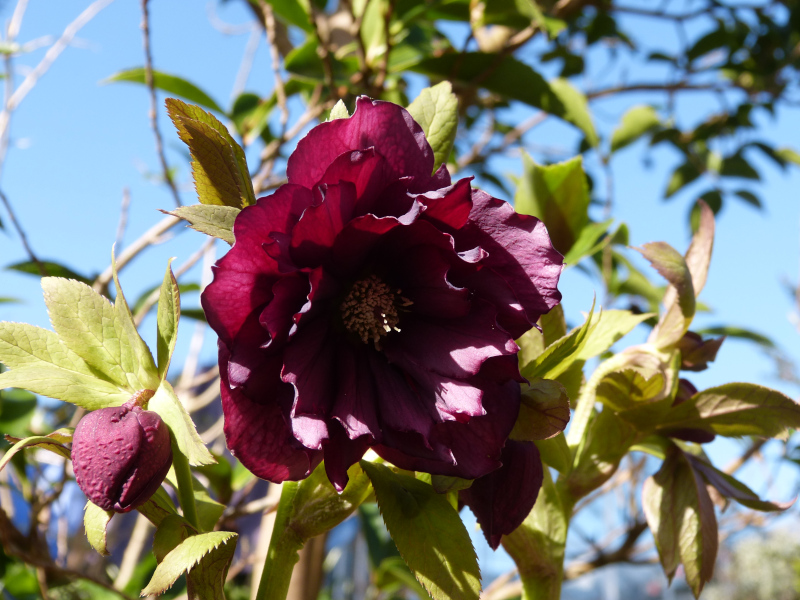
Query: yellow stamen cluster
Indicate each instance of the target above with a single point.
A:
(370, 310)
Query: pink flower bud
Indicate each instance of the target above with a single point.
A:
(121, 455)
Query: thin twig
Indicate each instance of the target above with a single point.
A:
(280, 91)
(246, 66)
(23, 238)
(148, 238)
(123, 217)
(49, 58)
(149, 80)
(154, 295)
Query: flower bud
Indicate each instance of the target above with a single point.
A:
(121, 455)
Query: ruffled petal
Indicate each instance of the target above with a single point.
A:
(385, 126)
(243, 278)
(258, 435)
(317, 229)
(448, 207)
(309, 365)
(502, 499)
(451, 347)
(519, 250)
(365, 169)
(356, 401)
(474, 448)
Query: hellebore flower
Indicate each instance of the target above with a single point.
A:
(120, 456)
(368, 303)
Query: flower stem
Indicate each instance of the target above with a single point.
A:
(284, 546)
(185, 488)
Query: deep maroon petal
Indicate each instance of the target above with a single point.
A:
(258, 435)
(309, 365)
(421, 275)
(243, 278)
(315, 232)
(341, 453)
(289, 296)
(382, 125)
(474, 447)
(451, 347)
(365, 169)
(502, 499)
(519, 250)
(450, 206)
(356, 401)
(354, 245)
(400, 401)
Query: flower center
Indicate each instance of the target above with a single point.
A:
(370, 310)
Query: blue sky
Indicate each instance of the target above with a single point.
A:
(76, 144)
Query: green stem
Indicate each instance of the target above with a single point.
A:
(185, 487)
(284, 547)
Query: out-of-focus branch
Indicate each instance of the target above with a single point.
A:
(737, 463)
(21, 232)
(149, 80)
(148, 238)
(49, 58)
(123, 216)
(154, 295)
(280, 91)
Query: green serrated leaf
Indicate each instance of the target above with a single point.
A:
(172, 84)
(732, 488)
(23, 345)
(591, 239)
(82, 390)
(576, 108)
(89, 325)
(169, 314)
(170, 409)
(682, 304)
(558, 195)
(188, 554)
(736, 409)
(543, 413)
(142, 358)
(436, 111)
(216, 221)
(95, 522)
(636, 122)
(681, 516)
(428, 533)
(610, 326)
(218, 162)
(339, 111)
(559, 356)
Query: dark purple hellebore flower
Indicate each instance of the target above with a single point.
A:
(120, 456)
(368, 303)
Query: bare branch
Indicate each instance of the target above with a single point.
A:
(148, 74)
(23, 238)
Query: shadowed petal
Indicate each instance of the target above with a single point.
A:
(308, 364)
(519, 250)
(341, 453)
(315, 232)
(356, 401)
(502, 499)
(258, 435)
(451, 347)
